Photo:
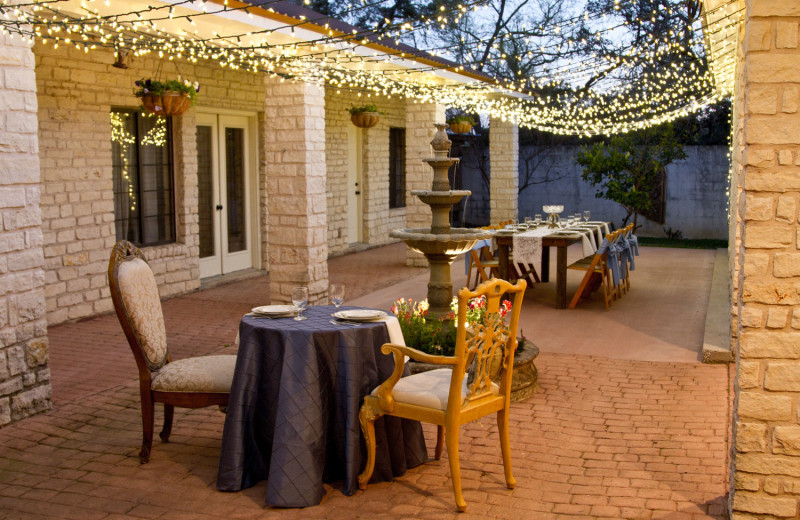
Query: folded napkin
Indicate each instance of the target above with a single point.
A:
(395, 332)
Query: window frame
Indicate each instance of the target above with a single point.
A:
(172, 230)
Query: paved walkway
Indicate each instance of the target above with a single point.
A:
(607, 436)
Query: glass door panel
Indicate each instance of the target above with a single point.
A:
(205, 188)
(235, 189)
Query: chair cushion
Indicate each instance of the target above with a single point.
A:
(429, 389)
(198, 374)
(139, 293)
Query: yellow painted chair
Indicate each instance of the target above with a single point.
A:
(461, 392)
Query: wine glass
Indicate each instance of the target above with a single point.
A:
(537, 218)
(337, 294)
(528, 222)
(586, 215)
(300, 300)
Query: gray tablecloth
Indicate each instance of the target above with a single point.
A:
(293, 410)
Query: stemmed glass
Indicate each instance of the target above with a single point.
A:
(528, 222)
(586, 215)
(300, 300)
(537, 218)
(337, 294)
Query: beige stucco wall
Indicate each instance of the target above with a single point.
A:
(76, 92)
(24, 374)
(765, 239)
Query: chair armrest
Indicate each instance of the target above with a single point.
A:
(400, 351)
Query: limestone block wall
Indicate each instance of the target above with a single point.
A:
(24, 375)
(766, 460)
(76, 92)
(504, 167)
(294, 145)
(377, 218)
(420, 118)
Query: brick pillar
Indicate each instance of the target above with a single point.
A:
(24, 375)
(503, 170)
(420, 118)
(294, 145)
(766, 448)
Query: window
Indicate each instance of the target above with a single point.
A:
(141, 149)
(397, 168)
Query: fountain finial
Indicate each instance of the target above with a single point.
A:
(441, 143)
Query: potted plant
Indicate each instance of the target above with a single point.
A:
(461, 124)
(365, 116)
(167, 98)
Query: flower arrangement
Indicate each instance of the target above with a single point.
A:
(180, 86)
(437, 336)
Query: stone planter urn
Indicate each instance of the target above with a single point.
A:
(524, 380)
(365, 119)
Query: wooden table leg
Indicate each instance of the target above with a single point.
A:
(561, 278)
(545, 272)
(502, 257)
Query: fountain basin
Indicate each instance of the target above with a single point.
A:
(441, 198)
(458, 241)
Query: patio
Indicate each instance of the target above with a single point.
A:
(626, 423)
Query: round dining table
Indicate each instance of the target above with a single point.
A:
(292, 416)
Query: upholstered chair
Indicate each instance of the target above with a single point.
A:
(192, 382)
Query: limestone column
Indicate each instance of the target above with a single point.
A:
(420, 118)
(294, 151)
(24, 374)
(766, 419)
(503, 170)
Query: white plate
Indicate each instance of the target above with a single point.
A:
(275, 310)
(359, 315)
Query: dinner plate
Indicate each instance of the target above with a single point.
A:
(359, 315)
(275, 310)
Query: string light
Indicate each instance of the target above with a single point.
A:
(362, 61)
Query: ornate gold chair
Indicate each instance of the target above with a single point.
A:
(191, 382)
(461, 392)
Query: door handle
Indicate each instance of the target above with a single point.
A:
(219, 207)
(358, 193)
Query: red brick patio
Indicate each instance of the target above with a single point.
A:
(602, 438)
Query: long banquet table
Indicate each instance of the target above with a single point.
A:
(292, 417)
(559, 240)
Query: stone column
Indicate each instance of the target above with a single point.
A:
(420, 118)
(766, 429)
(24, 375)
(503, 170)
(294, 146)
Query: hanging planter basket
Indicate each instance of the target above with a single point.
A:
(365, 119)
(166, 103)
(460, 127)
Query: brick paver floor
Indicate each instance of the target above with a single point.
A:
(602, 438)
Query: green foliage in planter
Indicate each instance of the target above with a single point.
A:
(150, 86)
(461, 118)
(364, 108)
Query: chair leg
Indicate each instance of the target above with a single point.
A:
(147, 426)
(437, 454)
(366, 416)
(167, 429)
(505, 446)
(451, 434)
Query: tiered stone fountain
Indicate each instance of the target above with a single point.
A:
(440, 243)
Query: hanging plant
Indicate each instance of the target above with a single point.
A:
(461, 124)
(365, 116)
(167, 98)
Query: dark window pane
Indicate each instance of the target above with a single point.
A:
(234, 178)
(142, 178)
(205, 190)
(397, 167)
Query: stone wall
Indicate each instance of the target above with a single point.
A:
(377, 218)
(76, 92)
(504, 171)
(766, 418)
(296, 179)
(24, 375)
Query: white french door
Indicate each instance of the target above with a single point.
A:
(224, 166)
(354, 185)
